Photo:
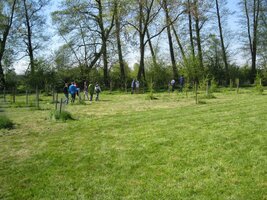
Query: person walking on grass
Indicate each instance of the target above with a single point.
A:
(66, 93)
(72, 91)
(97, 91)
(91, 91)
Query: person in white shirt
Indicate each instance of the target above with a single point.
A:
(97, 91)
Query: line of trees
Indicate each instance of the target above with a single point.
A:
(172, 37)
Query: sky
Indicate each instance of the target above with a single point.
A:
(21, 65)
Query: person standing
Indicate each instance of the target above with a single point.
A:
(72, 91)
(91, 91)
(97, 91)
(173, 84)
(133, 86)
(66, 93)
(181, 83)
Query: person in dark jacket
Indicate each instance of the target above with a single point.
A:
(66, 93)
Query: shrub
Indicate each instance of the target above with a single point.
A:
(151, 91)
(63, 115)
(258, 85)
(213, 85)
(5, 123)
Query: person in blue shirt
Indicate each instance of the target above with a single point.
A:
(133, 86)
(72, 91)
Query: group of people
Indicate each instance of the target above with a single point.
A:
(74, 91)
(181, 84)
(90, 89)
(135, 86)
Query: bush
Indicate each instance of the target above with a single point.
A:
(63, 116)
(5, 123)
(258, 85)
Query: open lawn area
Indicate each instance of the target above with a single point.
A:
(128, 147)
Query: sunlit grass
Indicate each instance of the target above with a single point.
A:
(128, 147)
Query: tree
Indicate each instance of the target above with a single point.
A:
(222, 41)
(117, 14)
(168, 22)
(7, 10)
(32, 27)
(251, 9)
(86, 27)
(146, 13)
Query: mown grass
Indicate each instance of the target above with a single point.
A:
(127, 147)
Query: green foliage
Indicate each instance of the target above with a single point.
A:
(258, 84)
(159, 73)
(5, 122)
(203, 84)
(151, 90)
(231, 85)
(213, 86)
(191, 68)
(115, 75)
(62, 116)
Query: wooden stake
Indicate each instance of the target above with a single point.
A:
(60, 108)
(27, 98)
(56, 101)
(37, 97)
(196, 92)
(4, 93)
(14, 95)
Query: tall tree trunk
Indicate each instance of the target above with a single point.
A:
(3, 44)
(104, 43)
(179, 44)
(118, 27)
(253, 37)
(191, 29)
(29, 39)
(256, 11)
(141, 70)
(142, 32)
(227, 75)
(167, 18)
(199, 46)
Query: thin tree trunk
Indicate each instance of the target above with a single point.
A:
(190, 29)
(179, 43)
(142, 45)
(227, 75)
(200, 56)
(256, 11)
(253, 41)
(151, 49)
(3, 44)
(118, 29)
(104, 43)
(29, 39)
(167, 18)
(141, 70)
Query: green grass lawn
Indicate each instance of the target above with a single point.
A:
(128, 147)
